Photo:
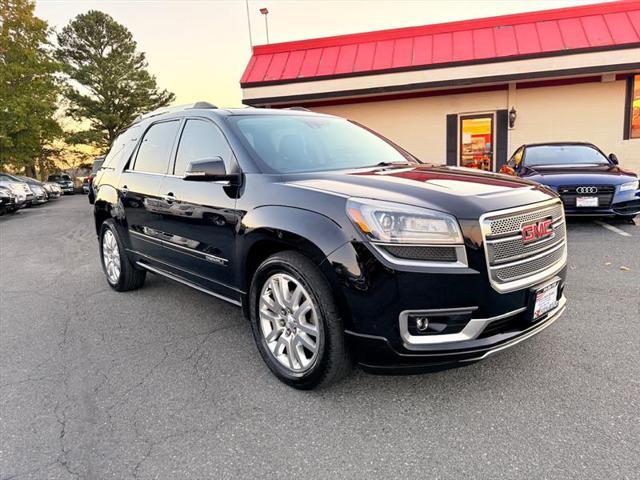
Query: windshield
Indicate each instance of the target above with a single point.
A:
(8, 178)
(57, 178)
(96, 165)
(564, 155)
(292, 144)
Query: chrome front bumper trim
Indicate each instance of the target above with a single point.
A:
(553, 316)
(471, 331)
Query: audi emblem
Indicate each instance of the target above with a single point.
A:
(583, 190)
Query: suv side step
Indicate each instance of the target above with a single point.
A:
(187, 283)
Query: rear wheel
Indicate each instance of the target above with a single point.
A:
(295, 322)
(120, 272)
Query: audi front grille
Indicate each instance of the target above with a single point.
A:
(569, 193)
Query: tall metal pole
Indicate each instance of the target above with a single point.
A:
(246, 3)
(266, 26)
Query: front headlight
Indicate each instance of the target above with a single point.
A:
(389, 222)
(629, 186)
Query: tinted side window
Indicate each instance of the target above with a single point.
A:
(517, 157)
(200, 140)
(155, 149)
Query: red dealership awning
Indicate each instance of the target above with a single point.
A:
(587, 28)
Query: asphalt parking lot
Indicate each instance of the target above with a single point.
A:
(166, 382)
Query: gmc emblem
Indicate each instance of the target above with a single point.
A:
(537, 230)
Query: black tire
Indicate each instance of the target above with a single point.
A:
(625, 218)
(332, 362)
(130, 278)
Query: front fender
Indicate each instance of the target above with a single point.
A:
(315, 234)
(279, 227)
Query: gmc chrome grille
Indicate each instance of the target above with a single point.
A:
(513, 263)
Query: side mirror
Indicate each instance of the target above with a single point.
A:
(207, 170)
(507, 170)
(613, 158)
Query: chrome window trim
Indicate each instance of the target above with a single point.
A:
(529, 279)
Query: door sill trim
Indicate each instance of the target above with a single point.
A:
(187, 283)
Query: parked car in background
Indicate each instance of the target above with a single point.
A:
(588, 182)
(40, 194)
(24, 195)
(97, 164)
(85, 185)
(7, 200)
(53, 190)
(64, 181)
(333, 240)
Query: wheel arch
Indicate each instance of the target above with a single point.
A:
(106, 206)
(276, 229)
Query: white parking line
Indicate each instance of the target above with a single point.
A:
(612, 228)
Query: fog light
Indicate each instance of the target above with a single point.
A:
(422, 323)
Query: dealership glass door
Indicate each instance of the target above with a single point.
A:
(476, 141)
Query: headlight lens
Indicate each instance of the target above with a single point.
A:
(398, 223)
(629, 186)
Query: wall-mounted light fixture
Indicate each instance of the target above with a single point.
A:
(512, 117)
(265, 12)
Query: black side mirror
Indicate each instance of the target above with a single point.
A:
(208, 170)
(613, 158)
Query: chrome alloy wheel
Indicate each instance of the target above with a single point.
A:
(111, 256)
(289, 322)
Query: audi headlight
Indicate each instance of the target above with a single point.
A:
(389, 222)
(629, 186)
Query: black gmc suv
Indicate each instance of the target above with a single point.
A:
(336, 243)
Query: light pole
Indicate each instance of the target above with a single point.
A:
(265, 12)
(246, 4)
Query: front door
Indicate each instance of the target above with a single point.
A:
(199, 218)
(476, 148)
(140, 184)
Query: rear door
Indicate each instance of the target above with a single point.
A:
(199, 218)
(140, 183)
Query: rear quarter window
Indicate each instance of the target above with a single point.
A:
(154, 152)
(121, 147)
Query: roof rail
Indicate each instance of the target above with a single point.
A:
(301, 109)
(175, 108)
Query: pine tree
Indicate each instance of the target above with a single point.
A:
(28, 88)
(100, 56)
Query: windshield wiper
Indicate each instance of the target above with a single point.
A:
(390, 164)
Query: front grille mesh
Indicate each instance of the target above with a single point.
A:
(510, 260)
(519, 270)
(422, 253)
(500, 252)
(505, 224)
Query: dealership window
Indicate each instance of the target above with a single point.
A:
(634, 114)
(476, 141)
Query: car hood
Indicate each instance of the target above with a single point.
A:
(596, 174)
(463, 192)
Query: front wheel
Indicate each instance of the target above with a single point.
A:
(296, 323)
(120, 272)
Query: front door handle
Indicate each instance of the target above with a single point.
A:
(169, 197)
